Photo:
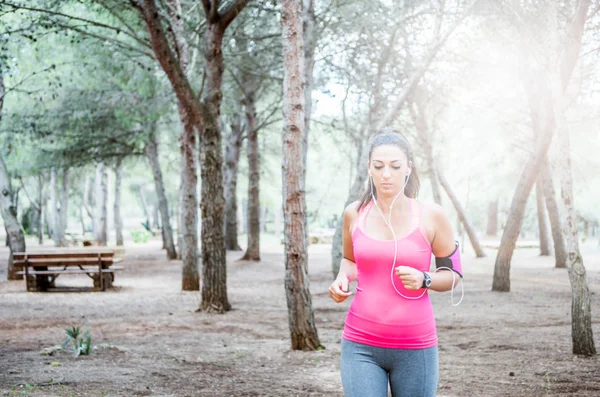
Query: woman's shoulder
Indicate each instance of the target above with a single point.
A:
(351, 209)
(430, 207)
(432, 211)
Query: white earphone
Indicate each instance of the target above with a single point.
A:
(388, 223)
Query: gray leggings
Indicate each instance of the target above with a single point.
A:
(366, 371)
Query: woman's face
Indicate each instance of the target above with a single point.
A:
(388, 167)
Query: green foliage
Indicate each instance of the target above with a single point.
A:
(140, 236)
(80, 343)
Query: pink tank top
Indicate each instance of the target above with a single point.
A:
(379, 316)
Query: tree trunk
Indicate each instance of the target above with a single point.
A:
(56, 235)
(144, 206)
(232, 158)
(151, 152)
(514, 222)
(64, 207)
(303, 331)
(14, 233)
(253, 249)
(542, 218)
(48, 220)
(40, 209)
(581, 311)
(82, 220)
(86, 203)
(435, 188)
(309, 33)
(420, 120)
(117, 204)
(101, 200)
(205, 117)
(189, 207)
(353, 195)
(551, 88)
(479, 252)
(214, 265)
(175, 66)
(492, 219)
(560, 252)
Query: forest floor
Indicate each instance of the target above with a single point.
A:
(151, 341)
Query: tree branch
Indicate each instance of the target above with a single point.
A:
(171, 66)
(60, 14)
(33, 203)
(231, 12)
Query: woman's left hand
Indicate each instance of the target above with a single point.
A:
(411, 277)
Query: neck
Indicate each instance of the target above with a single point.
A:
(385, 202)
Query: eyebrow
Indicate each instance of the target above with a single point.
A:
(393, 161)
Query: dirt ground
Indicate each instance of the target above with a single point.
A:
(151, 341)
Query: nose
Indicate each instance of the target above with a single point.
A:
(386, 172)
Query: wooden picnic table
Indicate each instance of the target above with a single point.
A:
(42, 267)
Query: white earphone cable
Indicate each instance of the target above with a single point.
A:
(389, 225)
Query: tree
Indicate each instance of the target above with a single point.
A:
(101, 200)
(118, 220)
(542, 218)
(381, 114)
(581, 311)
(303, 331)
(151, 152)
(560, 253)
(233, 145)
(14, 233)
(546, 122)
(419, 118)
(253, 250)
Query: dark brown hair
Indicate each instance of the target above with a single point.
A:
(395, 138)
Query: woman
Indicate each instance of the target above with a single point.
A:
(388, 238)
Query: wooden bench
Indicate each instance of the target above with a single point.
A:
(41, 268)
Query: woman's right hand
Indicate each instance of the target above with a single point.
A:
(338, 290)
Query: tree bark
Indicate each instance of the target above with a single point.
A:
(64, 207)
(16, 238)
(117, 204)
(214, 265)
(232, 158)
(253, 249)
(303, 332)
(560, 252)
(542, 218)
(151, 152)
(492, 218)
(581, 311)
(101, 200)
(309, 33)
(189, 207)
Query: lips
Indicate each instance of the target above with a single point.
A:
(386, 185)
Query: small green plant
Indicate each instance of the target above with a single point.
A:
(140, 236)
(80, 343)
(25, 390)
